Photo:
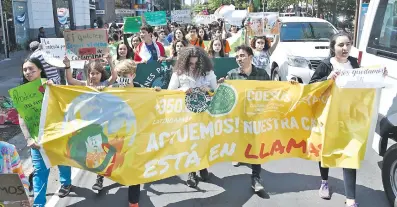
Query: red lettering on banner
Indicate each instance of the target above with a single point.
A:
(315, 149)
(247, 153)
(293, 145)
(262, 153)
(87, 51)
(277, 147)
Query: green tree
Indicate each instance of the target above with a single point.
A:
(7, 7)
(279, 5)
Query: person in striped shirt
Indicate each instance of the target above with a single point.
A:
(51, 71)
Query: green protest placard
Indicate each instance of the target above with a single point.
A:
(27, 99)
(156, 18)
(159, 74)
(132, 24)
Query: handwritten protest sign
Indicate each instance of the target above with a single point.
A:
(54, 50)
(204, 19)
(27, 99)
(12, 191)
(132, 24)
(86, 44)
(263, 23)
(361, 78)
(181, 16)
(156, 18)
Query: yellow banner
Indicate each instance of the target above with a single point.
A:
(137, 135)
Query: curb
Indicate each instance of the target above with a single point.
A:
(23, 151)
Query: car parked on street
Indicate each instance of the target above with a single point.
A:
(303, 44)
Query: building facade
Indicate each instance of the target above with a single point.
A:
(53, 15)
(115, 10)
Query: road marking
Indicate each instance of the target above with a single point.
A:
(54, 199)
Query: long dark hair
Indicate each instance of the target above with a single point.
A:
(38, 64)
(211, 51)
(183, 35)
(267, 43)
(205, 38)
(174, 47)
(204, 63)
(129, 50)
(332, 42)
(132, 39)
(96, 65)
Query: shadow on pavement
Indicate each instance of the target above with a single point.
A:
(237, 191)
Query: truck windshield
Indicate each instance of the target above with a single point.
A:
(306, 32)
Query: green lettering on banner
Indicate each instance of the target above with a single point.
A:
(156, 18)
(27, 99)
(159, 74)
(132, 24)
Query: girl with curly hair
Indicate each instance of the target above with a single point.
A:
(193, 69)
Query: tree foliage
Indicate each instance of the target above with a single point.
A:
(212, 5)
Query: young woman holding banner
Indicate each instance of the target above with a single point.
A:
(32, 70)
(340, 46)
(193, 69)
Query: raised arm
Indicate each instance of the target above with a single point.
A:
(113, 72)
(69, 76)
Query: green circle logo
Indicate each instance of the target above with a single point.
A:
(224, 100)
(197, 101)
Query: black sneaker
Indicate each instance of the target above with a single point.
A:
(256, 184)
(192, 180)
(99, 183)
(204, 174)
(64, 191)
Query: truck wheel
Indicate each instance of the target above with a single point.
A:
(389, 174)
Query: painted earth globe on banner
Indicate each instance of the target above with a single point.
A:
(100, 125)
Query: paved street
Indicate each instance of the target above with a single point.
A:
(288, 183)
(10, 74)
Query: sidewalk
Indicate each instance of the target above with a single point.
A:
(23, 151)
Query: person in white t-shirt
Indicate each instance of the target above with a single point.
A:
(194, 69)
(340, 59)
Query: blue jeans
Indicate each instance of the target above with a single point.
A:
(40, 178)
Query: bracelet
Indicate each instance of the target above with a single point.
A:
(67, 67)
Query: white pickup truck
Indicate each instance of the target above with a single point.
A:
(378, 44)
(303, 43)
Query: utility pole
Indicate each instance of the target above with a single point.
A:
(4, 31)
(8, 34)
